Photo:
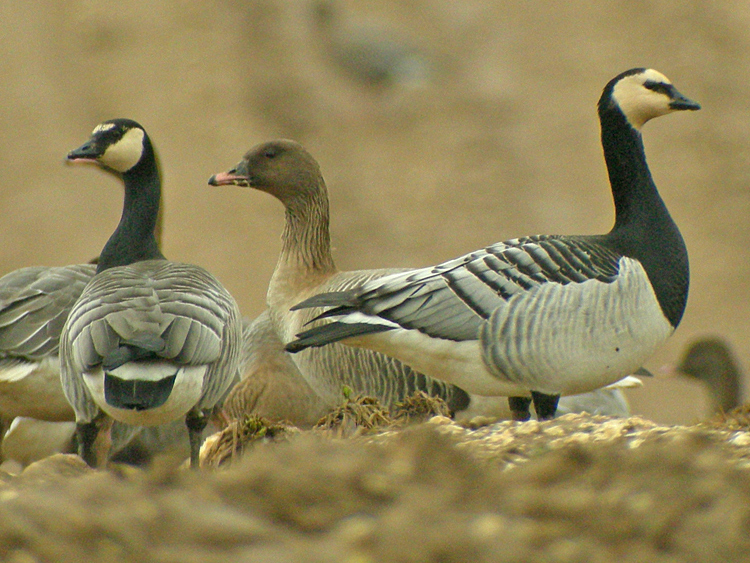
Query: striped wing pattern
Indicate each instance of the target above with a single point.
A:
(34, 304)
(179, 310)
(452, 300)
(366, 371)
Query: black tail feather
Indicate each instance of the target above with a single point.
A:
(137, 394)
(330, 333)
(332, 299)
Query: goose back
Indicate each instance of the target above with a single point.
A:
(34, 304)
(179, 312)
(272, 386)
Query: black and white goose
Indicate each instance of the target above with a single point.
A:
(149, 340)
(542, 315)
(279, 387)
(34, 303)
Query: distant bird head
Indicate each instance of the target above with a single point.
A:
(711, 361)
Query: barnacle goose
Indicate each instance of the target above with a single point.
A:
(541, 315)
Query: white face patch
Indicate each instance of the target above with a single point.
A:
(102, 127)
(126, 152)
(638, 103)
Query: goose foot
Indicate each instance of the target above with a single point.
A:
(544, 405)
(94, 440)
(519, 408)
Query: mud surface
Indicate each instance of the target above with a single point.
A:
(579, 488)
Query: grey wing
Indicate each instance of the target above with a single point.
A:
(34, 304)
(453, 299)
(72, 381)
(208, 325)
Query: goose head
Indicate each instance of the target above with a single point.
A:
(711, 361)
(641, 94)
(281, 168)
(117, 145)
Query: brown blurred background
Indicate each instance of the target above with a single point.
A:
(485, 131)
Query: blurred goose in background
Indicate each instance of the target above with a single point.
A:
(34, 304)
(367, 50)
(149, 340)
(543, 315)
(710, 360)
(287, 171)
(29, 439)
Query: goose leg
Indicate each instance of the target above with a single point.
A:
(519, 408)
(545, 405)
(91, 448)
(195, 421)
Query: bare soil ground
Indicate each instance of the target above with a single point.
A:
(499, 139)
(580, 488)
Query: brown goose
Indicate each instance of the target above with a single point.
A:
(271, 386)
(305, 267)
(710, 360)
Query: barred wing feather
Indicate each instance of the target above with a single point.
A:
(34, 304)
(136, 303)
(452, 300)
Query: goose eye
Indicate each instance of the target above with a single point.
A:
(659, 87)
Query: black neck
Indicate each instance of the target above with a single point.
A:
(637, 201)
(643, 228)
(134, 240)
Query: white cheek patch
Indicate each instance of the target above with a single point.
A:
(102, 127)
(638, 103)
(126, 152)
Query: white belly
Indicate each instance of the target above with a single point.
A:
(33, 389)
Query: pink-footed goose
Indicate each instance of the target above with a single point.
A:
(305, 267)
(543, 315)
